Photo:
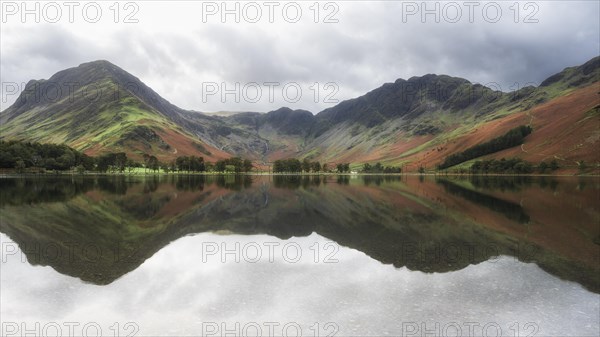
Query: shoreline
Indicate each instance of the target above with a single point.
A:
(216, 174)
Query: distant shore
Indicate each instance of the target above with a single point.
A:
(183, 174)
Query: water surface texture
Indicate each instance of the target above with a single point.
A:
(309, 256)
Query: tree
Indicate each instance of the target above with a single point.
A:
(294, 165)
(523, 167)
(421, 169)
(316, 166)
(278, 166)
(36, 159)
(88, 162)
(80, 169)
(378, 168)
(306, 165)
(248, 165)
(50, 164)
(130, 165)
(104, 162)
(343, 167)
(153, 163)
(197, 164)
(20, 166)
(120, 160)
(146, 159)
(65, 161)
(183, 163)
(7, 159)
(290, 165)
(237, 164)
(512, 138)
(554, 165)
(220, 166)
(542, 167)
(512, 165)
(392, 169)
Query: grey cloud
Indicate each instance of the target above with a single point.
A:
(368, 47)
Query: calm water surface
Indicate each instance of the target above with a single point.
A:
(309, 256)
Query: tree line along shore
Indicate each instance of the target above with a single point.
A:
(17, 157)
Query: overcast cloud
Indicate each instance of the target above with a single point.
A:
(173, 51)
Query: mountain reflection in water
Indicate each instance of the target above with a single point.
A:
(431, 225)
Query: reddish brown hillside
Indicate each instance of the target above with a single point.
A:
(564, 128)
(179, 144)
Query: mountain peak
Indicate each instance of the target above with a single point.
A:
(102, 65)
(288, 111)
(586, 73)
(97, 63)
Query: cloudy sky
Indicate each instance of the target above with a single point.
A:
(185, 52)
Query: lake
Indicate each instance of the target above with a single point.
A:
(300, 256)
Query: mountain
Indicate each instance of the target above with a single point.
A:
(414, 122)
(422, 120)
(98, 107)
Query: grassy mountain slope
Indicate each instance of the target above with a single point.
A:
(107, 109)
